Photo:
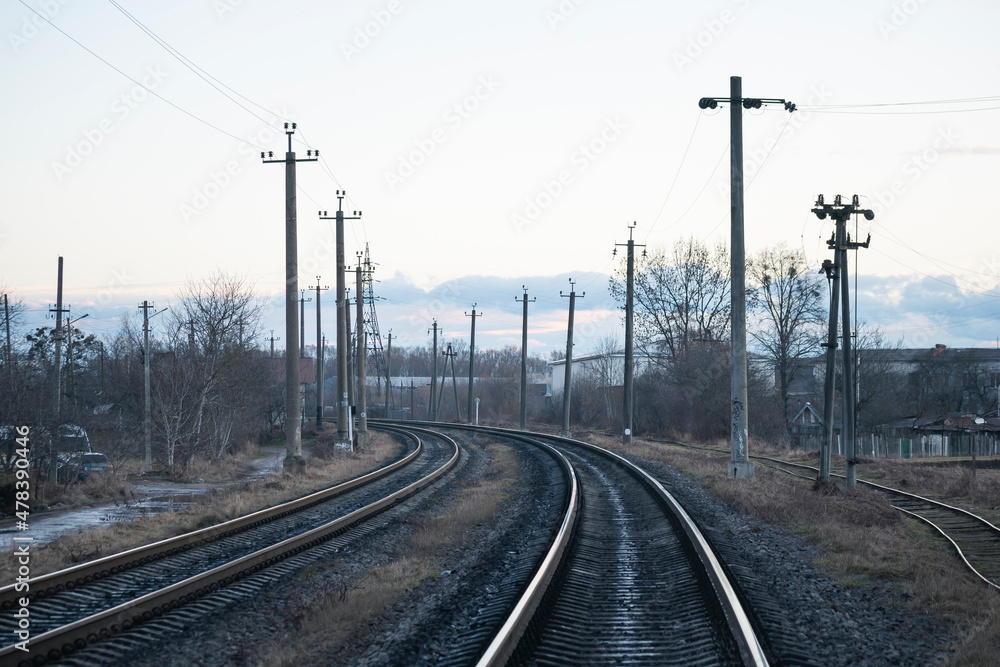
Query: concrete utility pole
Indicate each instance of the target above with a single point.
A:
(740, 464)
(147, 419)
(431, 411)
(10, 365)
(364, 438)
(627, 392)
(320, 357)
(388, 371)
(294, 463)
(350, 351)
(472, 359)
(302, 322)
(840, 213)
(568, 382)
(57, 337)
(272, 339)
(147, 413)
(524, 357)
(343, 410)
(830, 268)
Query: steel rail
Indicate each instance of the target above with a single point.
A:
(513, 628)
(58, 643)
(85, 573)
(749, 646)
(976, 520)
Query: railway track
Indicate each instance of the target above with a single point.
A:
(75, 613)
(975, 540)
(627, 578)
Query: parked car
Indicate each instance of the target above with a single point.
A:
(93, 463)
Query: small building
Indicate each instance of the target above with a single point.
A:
(605, 368)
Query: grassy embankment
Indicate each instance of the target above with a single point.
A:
(349, 612)
(220, 504)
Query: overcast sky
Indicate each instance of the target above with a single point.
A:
(495, 144)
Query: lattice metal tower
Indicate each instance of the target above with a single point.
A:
(373, 348)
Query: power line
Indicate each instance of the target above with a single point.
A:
(147, 89)
(202, 74)
(676, 175)
(959, 100)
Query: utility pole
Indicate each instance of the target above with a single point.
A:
(272, 339)
(431, 411)
(841, 242)
(57, 337)
(568, 381)
(10, 365)
(147, 419)
(147, 412)
(71, 394)
(350, 352)
(388, 371)
(830, 269)
(294, 463)
(411, 398)
(524, 357)
(364, 439)
(343, 411)
(739, 464)
(472, 360)
(320, 357)
(302, 323)
(627, 388)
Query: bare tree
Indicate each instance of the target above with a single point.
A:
(787, 296)
(884, 393)
(681, 299)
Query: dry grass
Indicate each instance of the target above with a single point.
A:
(219, 505)
(862, 537)
(349, 612)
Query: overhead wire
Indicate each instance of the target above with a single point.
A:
(680, 166)
(136, 82)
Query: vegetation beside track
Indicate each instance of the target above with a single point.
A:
(350, 612)
(221, 504)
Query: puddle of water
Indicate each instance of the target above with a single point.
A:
(151, 498)
(47, 526)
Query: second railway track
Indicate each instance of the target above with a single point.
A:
(77, 610)
(975, 540)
